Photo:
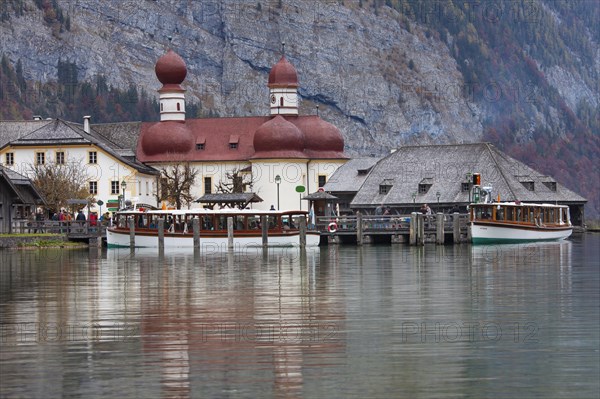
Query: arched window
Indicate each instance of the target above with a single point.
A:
(281, 101)
(178, 107)
(161, 107)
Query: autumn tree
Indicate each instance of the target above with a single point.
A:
(58, 183)
(236, 181)
(176, 184)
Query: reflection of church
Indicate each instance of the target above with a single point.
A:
(272, 320)
(302, 150)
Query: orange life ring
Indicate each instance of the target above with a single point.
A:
(332, 228)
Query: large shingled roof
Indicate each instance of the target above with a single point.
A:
(13, 130)
(443, 169)
(350, 176)
(59, 132)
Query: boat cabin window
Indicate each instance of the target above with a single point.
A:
(254, 222)
(483, 212)
(500, 213)
(510, 213)
(206, 222)
(272, 222)
(287, 222)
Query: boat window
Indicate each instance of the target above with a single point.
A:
(510, 213)
(272, 222)
(500, 213)
(239, 222)
(483, 212)
(531, 214)
(206, 222)
(254, 222)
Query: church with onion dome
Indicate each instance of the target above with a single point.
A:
(280, 157)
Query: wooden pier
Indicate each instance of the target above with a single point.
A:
(413, 229)
(75, 230)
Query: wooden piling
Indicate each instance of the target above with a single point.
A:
(302, 232)
(439, 229)
(412, 231)
(359, 229)
(230, 232)
(196, 231)
(131, 222)
(161, 234)
(420, 229)
(456, 227)
(265, 230)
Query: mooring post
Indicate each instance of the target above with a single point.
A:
(439, 234)
(265, 230)
(420, 229)
(456, 227)
(302, 232)
(131, 232)
(99, 234)
(230, 232)
(359, 229)
(196, 231)
(161, 234)
(412, 231)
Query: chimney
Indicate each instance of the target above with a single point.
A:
(86, 123)
(37, 117)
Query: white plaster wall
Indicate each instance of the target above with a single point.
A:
(104, 171)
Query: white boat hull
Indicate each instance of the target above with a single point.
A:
(122, 239)
(484, 233)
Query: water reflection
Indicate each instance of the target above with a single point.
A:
(373, 321)
(220, 313)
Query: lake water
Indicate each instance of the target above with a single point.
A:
(336, 322)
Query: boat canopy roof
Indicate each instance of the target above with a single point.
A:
(202, 211)
(520, 204)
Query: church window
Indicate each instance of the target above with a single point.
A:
(322, 180)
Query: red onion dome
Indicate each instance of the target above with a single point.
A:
(283, 74)
(322, 139)
(167, 137)
(170, 69)
(278, 138)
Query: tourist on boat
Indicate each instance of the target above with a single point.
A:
(272, 208)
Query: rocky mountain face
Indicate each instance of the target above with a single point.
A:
(386, 73)
(368, 75)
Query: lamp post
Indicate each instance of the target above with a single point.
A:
(414, 195)
(278, 182)
(437, 194)
(123, 186)
(469, 176)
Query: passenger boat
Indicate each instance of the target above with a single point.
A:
(283, 228)
(512, 222)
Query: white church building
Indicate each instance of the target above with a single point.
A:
(280, 154)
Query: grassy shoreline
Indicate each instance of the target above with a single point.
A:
(37, 241)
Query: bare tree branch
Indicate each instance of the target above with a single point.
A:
(59, 182)
(176, 184)
(235, 181)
